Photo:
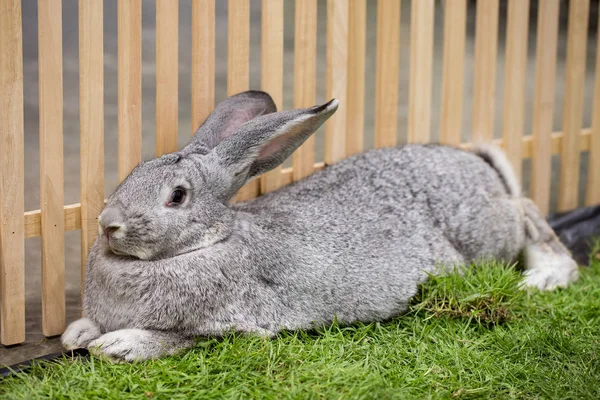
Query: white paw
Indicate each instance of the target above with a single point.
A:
(547, 270)
(79, 334)
(127, 345)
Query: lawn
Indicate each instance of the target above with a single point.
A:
(476, 336)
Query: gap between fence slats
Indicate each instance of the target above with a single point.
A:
(573, 104)
(203, 61)
(543, 103)
(486, 47)
(455, 12)
(130, 85)
(272, 70)
(305, 71)
(52, 196)
(167, 24)
(355, 98)
(72, 212)
(238, 67)
(12, 245)
(421, 62)
(91, 105)
(593, 181)
(337, 78)
(386, 79)
(515, 81)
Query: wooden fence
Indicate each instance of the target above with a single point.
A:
(346, 43)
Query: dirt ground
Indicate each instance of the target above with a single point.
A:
(38, 345)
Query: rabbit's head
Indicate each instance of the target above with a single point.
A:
(179, 202)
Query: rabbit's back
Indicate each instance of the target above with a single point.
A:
(361, 235)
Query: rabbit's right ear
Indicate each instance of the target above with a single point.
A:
(264, 143)
(228, 116)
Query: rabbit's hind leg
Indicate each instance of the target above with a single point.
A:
(548, 263)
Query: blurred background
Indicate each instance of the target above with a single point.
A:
(36, 343)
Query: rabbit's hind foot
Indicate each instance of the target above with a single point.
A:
(547, 268)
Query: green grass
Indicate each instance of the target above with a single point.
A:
(475, 336)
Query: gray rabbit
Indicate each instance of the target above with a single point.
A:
(174, 260)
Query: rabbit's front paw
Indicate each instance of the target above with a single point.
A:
(79, 334)
(127, 345)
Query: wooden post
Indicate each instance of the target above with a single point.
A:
(91, 108)
(356, 76)
(386, 84)
(573, 105)
(593, 182)
(543, 103)
(203, 61)
(130, 85)
(305, 72)
(337, 78)
(52, 193)
(455, 13)
(514, 81)
(12, 243)
(421, 62)
(272, 70)
(167, 24)
(486, 47)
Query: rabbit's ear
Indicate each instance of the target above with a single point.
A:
(228, 116)
(267, 141)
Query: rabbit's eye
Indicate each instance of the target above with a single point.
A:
(177, 197)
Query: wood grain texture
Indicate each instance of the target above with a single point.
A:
(355, 117)
(130, 85)
(238, 68)
(515, 82)
(167, 24)
(12, 245)
(337, 79)
(91, 106)
(386, 80)
(486, 48)
(573, 104)
(421, 63)
(543, 102)
(52, 195)
(455, 14)
(203, 61)
(272, 70)
(305, 74)
(593, 183)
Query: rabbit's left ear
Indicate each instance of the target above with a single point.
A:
(266, 141)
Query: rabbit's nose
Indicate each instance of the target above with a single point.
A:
(110, 221)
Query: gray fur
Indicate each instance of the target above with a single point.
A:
(353, 241)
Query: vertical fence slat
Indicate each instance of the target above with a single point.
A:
(573, 104)
(238, 67)
(167, 23)
(486, 47)
(337, 78)
(52, 194)
(12, 224)
(305, 71)
(203, 61)
(272, 70)
(514, 81)
(91, 109)
(421, 62)
(455, 13)
(593, 182)
(386, 80)
(543, 103)
(356, 76)
(130, 85)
